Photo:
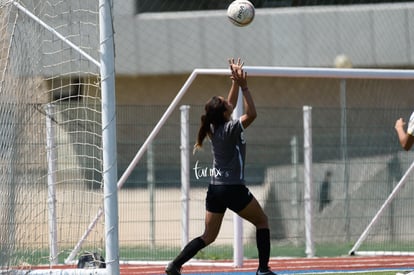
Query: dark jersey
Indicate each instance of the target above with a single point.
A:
(229, 153)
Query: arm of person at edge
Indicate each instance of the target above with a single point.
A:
(239, 79)
(406, 140)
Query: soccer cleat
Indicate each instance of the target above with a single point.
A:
(267, 272)
(171, 269)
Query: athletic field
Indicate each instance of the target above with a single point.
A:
(350, 265)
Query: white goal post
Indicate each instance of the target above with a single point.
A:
(334, 73)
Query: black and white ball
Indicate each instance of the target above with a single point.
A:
(241, 12)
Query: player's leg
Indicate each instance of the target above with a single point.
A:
(215, 209)
(212, 227)
(254, 213)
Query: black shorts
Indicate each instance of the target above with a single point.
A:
(233, 197)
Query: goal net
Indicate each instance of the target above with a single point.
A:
(355, 144)
(50, 131)
(389, 231)
(52, 136)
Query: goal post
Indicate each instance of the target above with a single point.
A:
(109, 151)
(58, 139)
(254, 71)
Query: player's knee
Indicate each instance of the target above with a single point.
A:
(209, 236)
(208, 239)
(263, 222)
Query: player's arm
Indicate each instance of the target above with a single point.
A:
(406, 140)
(250, 109)
(235, 69)
(240, 77)
(233, 93)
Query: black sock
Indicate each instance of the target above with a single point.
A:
(189, 251)
(263, 247)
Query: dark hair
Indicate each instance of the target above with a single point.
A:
(213, 117)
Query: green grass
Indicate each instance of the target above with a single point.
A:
(213, 252)
(219, 252)
(290, 250)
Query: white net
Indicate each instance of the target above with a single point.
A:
(50, 116)
(51, 160)
(353, 138)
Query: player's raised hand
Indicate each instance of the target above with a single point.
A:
(237, 73)
(399, 124)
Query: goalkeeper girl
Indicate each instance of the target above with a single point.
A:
(227, 188)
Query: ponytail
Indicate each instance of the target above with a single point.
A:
(213, 117)
(202, 132)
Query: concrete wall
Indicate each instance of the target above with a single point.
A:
(156, 52)
(269, 92)
(174, 43)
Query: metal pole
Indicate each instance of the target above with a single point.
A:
(307, 148)
(342, 62)
(109, 151)
(151, 185)
(344, 153)
(294, 198)
(185, 173)
(51, 183)
(237, 220)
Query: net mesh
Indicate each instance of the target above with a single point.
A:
(356, 144)
(48, 191)
(49, 87)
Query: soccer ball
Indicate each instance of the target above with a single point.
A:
(240, 12)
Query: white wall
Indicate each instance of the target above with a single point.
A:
(379, 35)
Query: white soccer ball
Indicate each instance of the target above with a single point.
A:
(240, 12)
